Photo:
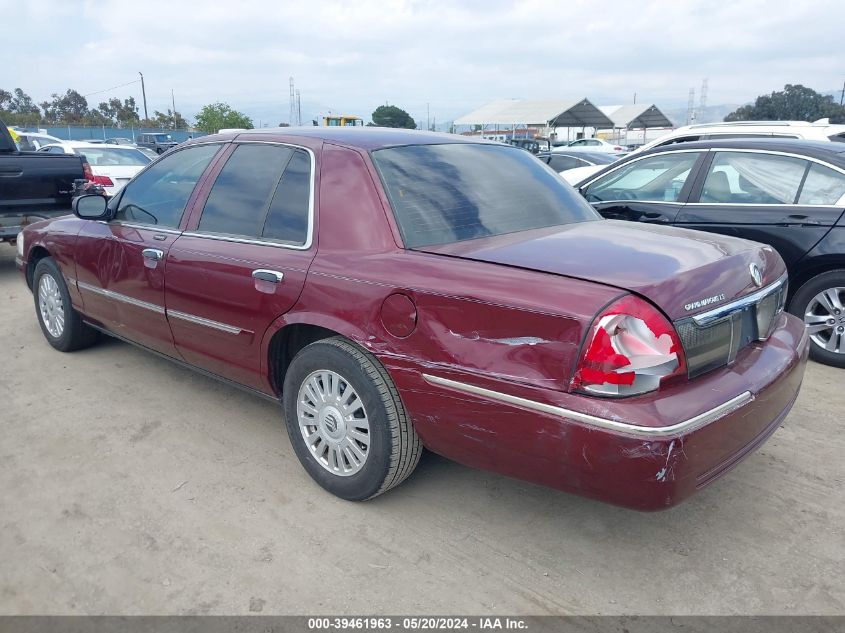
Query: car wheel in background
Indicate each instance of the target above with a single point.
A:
(821, 304)
(61, 324)
(346, 422)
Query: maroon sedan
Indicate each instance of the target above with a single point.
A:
(400, 289)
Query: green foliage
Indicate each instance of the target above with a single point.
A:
(793, 103)
(391, 116)
(216, 116)
(70, 108)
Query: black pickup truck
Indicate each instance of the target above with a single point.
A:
(34, 185)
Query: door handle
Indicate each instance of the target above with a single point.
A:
(653, 217)
(152, 254)
(799, 219)
(273, 276)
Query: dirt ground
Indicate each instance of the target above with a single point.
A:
(129, 485)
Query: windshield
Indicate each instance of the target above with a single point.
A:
(161, 138)
(113, 156)
(448, 193)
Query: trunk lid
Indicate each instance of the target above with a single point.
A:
(683, 272)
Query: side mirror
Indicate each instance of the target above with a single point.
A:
(91, 207)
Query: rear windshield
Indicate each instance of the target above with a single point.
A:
(113, 157)
(453, 192)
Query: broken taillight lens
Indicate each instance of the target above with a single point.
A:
(632, 349)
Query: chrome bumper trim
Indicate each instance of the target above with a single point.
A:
(687, 426)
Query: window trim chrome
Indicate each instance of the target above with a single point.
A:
(704, 318)
(680, 428)
(258, 240)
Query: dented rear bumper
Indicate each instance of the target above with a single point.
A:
(647, 453)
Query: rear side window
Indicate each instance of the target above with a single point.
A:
(656, 178)
(158, 195)
(562, 163)
(752, 178)
(263, 191)
(448, 193)
(237, 204)
(822, 186)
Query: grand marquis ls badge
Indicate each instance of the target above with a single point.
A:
(756, 275)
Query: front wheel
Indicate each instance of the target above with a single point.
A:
(61, 324)
(346, 421)
(821, 304)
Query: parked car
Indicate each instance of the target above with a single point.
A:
(818, 131)
(119, 140)
(159, 142)
(106, 165)
(33, 186)
(528, 144)
(32, 141)
(398, 289)
(591, 145)
(788, 194)
(562, 161)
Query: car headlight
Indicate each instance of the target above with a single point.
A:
(19, 241)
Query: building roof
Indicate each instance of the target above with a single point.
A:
(638, 115)
(554, 113)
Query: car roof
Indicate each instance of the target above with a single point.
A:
(364, 138)
(826, 150)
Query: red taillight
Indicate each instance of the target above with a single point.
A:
(104, 181)
(618, 148)
(632, 349)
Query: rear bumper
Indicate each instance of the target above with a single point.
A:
(645, 453)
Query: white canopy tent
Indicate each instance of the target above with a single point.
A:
(549, 113)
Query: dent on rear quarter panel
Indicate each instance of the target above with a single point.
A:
(489, 320)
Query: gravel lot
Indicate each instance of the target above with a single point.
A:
(129, 485)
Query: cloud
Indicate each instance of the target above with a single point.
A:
(353, 56)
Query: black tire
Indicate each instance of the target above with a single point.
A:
(394, 448)
(800, 302)
(75, 334)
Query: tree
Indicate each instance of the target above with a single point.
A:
(793, 103)
(21, 103)
(5, 99)
(216, 116)
(70, 108)
(391, 116)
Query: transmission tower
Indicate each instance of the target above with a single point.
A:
(292, 103)
(691, 107)
(298, 109)
(702, 98)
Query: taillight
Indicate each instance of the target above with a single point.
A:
(632, 349)
(104, 181)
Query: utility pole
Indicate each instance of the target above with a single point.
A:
(691, 107)
(173, 101)
(635, 97)
(144, 93)
(427, 117)
(292, 115)
(702, 99)
(298, 109)
(842, 98)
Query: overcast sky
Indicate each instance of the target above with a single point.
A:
(455, 55)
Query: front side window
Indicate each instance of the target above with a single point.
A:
(823, 185)
(753, 178)
(448, 193)
(158, 195)
(656, 178)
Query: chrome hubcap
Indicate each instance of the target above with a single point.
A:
(50, 305)
(825, 320)
(333, 422)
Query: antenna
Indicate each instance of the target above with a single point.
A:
(292, 102)
(691, 107)
(702, 98)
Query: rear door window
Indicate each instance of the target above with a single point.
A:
(657, 178)
(823, 185)
(753, 178)
(562, 163)
(290, 210)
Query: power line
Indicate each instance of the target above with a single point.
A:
(137, 81)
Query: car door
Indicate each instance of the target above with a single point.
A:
(244, 261)
(120, 264)
(787, 201)
(651, 189)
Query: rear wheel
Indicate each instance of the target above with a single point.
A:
(61, 324)
(346, 421)
(821, 304)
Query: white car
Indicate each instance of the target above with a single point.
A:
(577, 174)
(820, 130)
(33, 141)
(591, 145)
(110, 166)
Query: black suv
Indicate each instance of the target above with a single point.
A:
(789, 194)
(159, 142)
